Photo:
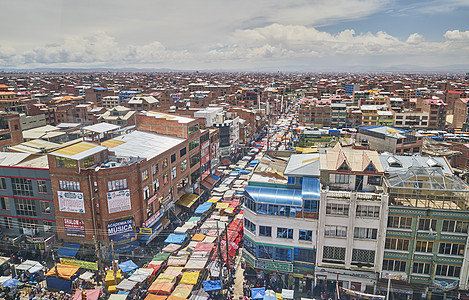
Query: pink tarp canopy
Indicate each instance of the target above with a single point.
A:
(90, 294)
(203, 247)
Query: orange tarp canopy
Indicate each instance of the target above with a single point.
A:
(65, 271)
(161, 287)
(155, 297)
(198, 237)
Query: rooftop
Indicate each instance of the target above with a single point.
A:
(303, 165)
(79, 150)
(159, 115)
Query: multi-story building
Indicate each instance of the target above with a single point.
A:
(389, 139)
(280, 224)
(125, 96)
(110, 101)
(352, 220)
(119, 115)
(411, 119)
(338, 115)
(370, 115)
(26, 201)
(10, 130)
(427, 228)
(143, 103)
(106, 190)
(436, 109)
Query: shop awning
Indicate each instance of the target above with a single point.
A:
(126, 248)
(187, 200)
(69, 250)
(395, 288)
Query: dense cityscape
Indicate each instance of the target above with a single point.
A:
(226, 185)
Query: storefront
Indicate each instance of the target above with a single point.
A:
(327, 278)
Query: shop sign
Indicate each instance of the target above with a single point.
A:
(79, 263)
(249, 259)
(274, 266)
(153, 219)
(49, 242)
(153, 198)
(332, 273)
(118, 201)
(71, 202)
(121, 230)
(35, 240)
(166, 200)
(287, 294)
(145, 231)
(394, 276)
(74, 227)
(155, 233)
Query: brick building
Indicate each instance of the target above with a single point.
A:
(10, 130)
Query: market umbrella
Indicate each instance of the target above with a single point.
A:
(258, 293)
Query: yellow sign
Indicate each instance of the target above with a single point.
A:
(142, 230)
(79, 263)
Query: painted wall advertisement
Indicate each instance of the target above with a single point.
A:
(74, 227)
(121, 230)
(71, 202)
(118, 201)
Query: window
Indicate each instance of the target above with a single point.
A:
(374, 180)
(42, 186)
(447, 270)
(22, 187)
(3, 184)
(182, 152)
(144, 175)
(363, 256)
(173, 172)
(118, 184)
(310, 206)
(249, 246)
(250, 226)
(193, 129)
(284, 233)
(266, 252)
(69, 185)
(25, 207)
(421, 268)
(184, 165)
(451, 249)
(455, 226)
(365, 233)
(156, 185)
(399, 222)
(367, 211)
(427, 224)
(154, 169)
(63, 162)
(396, 244)
(193, 144)
(337, 209)
(394, 265)
(27, 223)
(165, 178)
(195, 159)
(4, 203)
(341, 178)
(88, 162)
(146, 192)
(265, 231)
(173, 157)
(306, 255)
(424, 246)
(46, 207)
(337, 231)
(48, 226)
(334, 254)
(273, 210)
(262, 208)
(306, 235)
(283, 254)
(165, 163)
(7, 223)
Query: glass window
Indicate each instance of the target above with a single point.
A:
(342, 178)
(118, 184)
(4, 203)
(284, 233)
(250, 226)
(42, 186)
(335, 231)
(394, 265)
(46, 207)
(266, 252)
(306, 235)
(48, 226)
(184, 165)
(88, 161)
(455, 226)
(447, 270)
(249, 246)
(173, 172)
(310, 206)
(273, 210)
(25, 207)
(7, 223)
(3, 185)
(421, 268)
(306, 255)
(193, 129)
(195, 159)
(283, 254)
(193, 144)
(165, 163)
(365, 233)
(182, 152)
(427, 224)
(396, 244)
(451, 249)
(69, 185)
(22, 187)
(165, 178)
(334, 254)
(424, 246)
(367, 211)
(337, 209)
(63, 162)
(144, 175)
(399, 222)
(265, 231)
(173, 157)
(156, 185)
(154, 169)
(363, 256)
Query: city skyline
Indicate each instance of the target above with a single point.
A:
(357, 35)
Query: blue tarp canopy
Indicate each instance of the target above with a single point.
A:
(12, 282)
(258, 293)
(277, 196)
(123, 292)
(69, 250)
(215, 177)
(211, 285)
(204, 207)
(175, 238)
(126, 248)
(127, 266)
(311, 188)
(245, 172)
(253, 162)
(234, 173)
(251, 153)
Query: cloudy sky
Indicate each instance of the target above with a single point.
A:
(284, 35)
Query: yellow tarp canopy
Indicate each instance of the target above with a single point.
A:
(183, 290)
(172, 297)
(212, 200)
(155, 297)
(165, 278)
(190, 278)
(64, 271)
(222, 205)
(198, 237)
(187, 200)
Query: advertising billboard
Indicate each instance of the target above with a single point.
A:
(118, 201)
(121, 230)
(71, 202)
(74, 227)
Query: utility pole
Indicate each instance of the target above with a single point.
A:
(389, 286)
(113, 263)
(227, 252)
(98, 253)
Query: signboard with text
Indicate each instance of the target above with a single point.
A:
(153, 219)
(74, 227)
(71, 202)
(121, 230)
(118, 201)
